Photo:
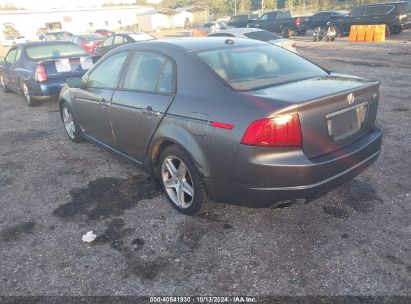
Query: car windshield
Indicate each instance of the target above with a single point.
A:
(93, 37)
(51, 51)
(57, 36)
(262, 35)
(254, 67)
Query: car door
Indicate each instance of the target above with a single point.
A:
(354, 17)
(10, 76)
(92, 100)
(368, 15)
(262, 21)
(141, 102)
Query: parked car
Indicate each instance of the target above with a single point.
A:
(321, 19)
(104, 32)
(88, 42)
(257, 34)
(118, 39)
(395, 15)
(241, 20)
(39, 70)
(213, 26)
(257, 125)
(14, 40)
(281, 22)
(53, 36)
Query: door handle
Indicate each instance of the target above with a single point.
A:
(149, 111)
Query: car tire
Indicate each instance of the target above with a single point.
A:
(388, 30)
(73, 131)
(4, 85)
(182, 183)
(285, 32)
(27, 96)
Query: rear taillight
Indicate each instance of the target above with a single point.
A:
(40, 74)
(280, 131)
(297, 21)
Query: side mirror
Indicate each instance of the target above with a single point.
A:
(75, 82)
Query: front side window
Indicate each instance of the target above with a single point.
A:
(264, 17)
(370, 11)
(150, 72)
(18, 55)
(254, 67)
(107, 74)
(357, 12)
(118, 40)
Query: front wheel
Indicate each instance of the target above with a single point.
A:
(72, 130)
(182, 183)
(3, 85)
(285, 32)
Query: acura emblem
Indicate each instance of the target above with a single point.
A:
(350, 98)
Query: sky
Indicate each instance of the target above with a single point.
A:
(47, 4)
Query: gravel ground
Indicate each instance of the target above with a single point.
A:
(353, 241)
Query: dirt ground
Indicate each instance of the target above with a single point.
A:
(353, 241)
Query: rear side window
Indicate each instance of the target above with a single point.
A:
(357, 12)
(107, 74)
(11, 55)
(254, 67)
(108, 41)
(50, 51)
(377, 10)
(150, 72)
(261, 35)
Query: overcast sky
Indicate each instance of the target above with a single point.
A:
(47, 4)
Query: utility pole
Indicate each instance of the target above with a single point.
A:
(235, 7)
(262, 7)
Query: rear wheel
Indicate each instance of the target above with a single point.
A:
(27, 95)
(387, 30)
(285, 32)
(72, 129)
(182, 183)
(3, 85)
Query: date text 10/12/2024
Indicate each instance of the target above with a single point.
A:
(199, 299)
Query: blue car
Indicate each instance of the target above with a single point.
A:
(39, 70)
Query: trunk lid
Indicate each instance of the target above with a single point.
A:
(68, 66)
(334, 110)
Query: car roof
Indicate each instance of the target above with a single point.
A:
(46, 42)
(198, 44)
(240, 30)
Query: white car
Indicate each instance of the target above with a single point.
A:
(214, 26)
(14, 40)
(256, 34)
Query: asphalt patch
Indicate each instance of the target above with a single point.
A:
(16, 232)
(362, 63)
(359, 196)
(335, 211)
(114, 234)
(108, 197)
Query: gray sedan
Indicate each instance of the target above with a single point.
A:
(228, 120)
(257, 34)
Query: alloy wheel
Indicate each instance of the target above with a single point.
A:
(177, 181)
(69, 122)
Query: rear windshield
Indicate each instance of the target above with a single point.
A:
(51, 51)
(93, 37)
(254, 67)
(262, 35)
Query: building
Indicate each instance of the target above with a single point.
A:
(31, 23)
(172, 18)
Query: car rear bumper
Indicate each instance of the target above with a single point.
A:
(267, 179)
(46, 90)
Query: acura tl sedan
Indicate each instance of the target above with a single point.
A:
(226, 119)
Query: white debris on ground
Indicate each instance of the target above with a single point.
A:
(88, 237)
